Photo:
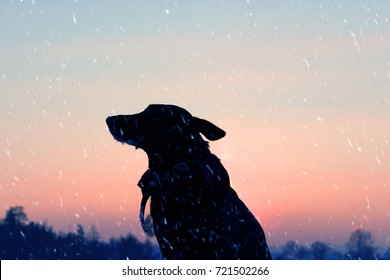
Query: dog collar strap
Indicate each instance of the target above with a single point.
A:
(153, 183)
(159, 183)
(144, 200)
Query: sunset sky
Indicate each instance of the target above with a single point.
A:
(302, 89)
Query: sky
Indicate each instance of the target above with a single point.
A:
(302, 89)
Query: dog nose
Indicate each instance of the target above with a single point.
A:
(109, 120)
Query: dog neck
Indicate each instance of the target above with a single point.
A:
(206, 172)
(161, 161)
(160, 180)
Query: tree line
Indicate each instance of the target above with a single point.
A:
(360, 246)
(23, 239)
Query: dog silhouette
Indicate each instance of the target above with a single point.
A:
(196, 213)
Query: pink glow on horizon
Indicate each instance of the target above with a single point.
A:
(310, 190)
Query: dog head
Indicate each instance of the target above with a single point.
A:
(162, 128)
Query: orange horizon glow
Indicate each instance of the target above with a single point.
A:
(296, 193)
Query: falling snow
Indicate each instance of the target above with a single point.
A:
(302, 89)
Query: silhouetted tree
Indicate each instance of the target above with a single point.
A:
(386, 255)
(293, 251)
(360, 245)
(319, 250)
(80, 231)
(40, 241)
(96, 250)
(16, 216)
(290, 250)
(93, 234)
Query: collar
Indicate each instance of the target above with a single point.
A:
(154, 183)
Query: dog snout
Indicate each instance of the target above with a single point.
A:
(114, 126)
(110, 121)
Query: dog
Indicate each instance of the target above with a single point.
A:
(196, 213)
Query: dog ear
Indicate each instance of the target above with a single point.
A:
(211, 131)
